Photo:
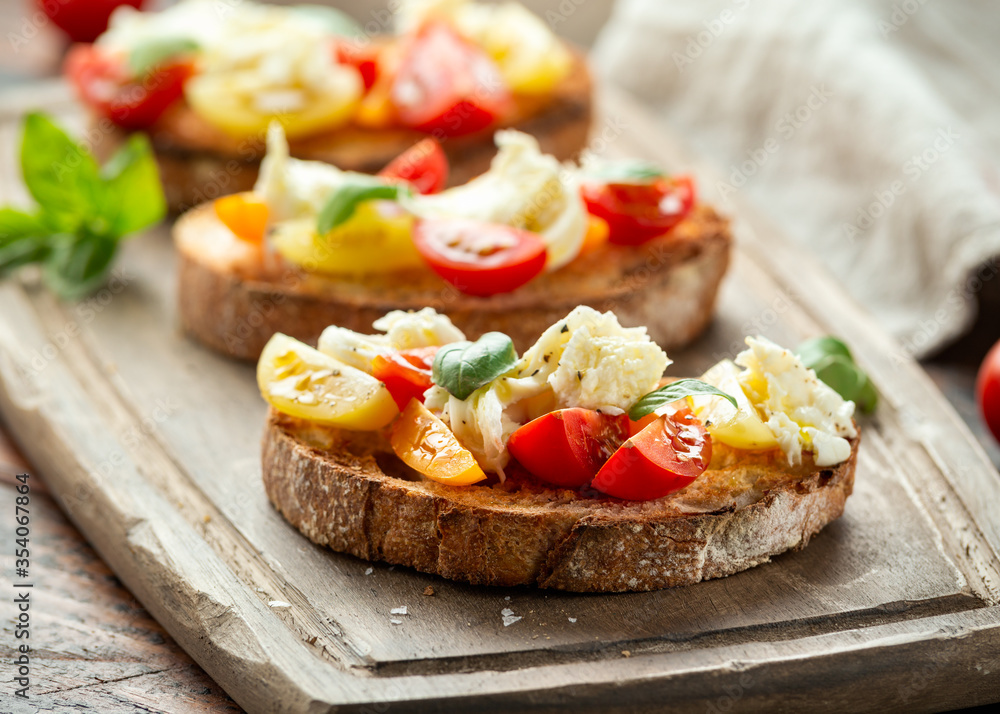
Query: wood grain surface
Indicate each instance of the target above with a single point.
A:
(151, 444)
(96, 647)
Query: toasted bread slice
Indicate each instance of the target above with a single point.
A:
(199, 162)
(233, 299)
(348, 491)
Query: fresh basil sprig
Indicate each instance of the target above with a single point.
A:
(463, 367)
(629, 171)
(833, 363)
(83, 211)
(671, 393)
(340, 206)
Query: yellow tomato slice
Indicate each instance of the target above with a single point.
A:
(426, 444)
(378, 238)
(740, 428)
(531, 59)
(539, 76)
(245, 214)
(215, 98)
(303, 382)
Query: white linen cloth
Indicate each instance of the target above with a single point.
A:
(868, 129)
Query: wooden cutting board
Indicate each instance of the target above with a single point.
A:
(151, 444)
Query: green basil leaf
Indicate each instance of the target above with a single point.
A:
(626, 172)
(19, 224)
(153, 53)
(867, 396)
(673, 392)
(21, 250)
(135, 193)
(833, 363)
(342, 204)
(818, 348)
(59, 174)
(77, 265)
(463, 367)
(330, 19)
(847, 380)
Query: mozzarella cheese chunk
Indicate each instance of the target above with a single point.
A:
(803, 413)
(524, 188)
(403, 331)
(480, 423)
(293, 188)
(261, 58)
(423, 328)
(740, 427)
(352, 347)
(278, 60)
(598, 363)
(198, 20)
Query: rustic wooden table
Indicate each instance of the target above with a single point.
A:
(97, 648)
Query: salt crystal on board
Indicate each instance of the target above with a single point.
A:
(509, 618)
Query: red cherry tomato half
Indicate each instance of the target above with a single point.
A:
(102, 81)
(363, 57)
(568, 447)
(82, 20)
(406, 374)
(637, 213)
(424, 165)
(988, 390)
(664, 457)
(480, 258)
(447, 86)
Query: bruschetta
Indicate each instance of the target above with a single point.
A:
(574, 465)
(512, 250)
(205, 79)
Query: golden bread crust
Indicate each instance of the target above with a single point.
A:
(346, 490)
(234, 299)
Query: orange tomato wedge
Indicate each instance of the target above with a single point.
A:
(245, 214)
(596, 235)
(426, 444)
(375, 111)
